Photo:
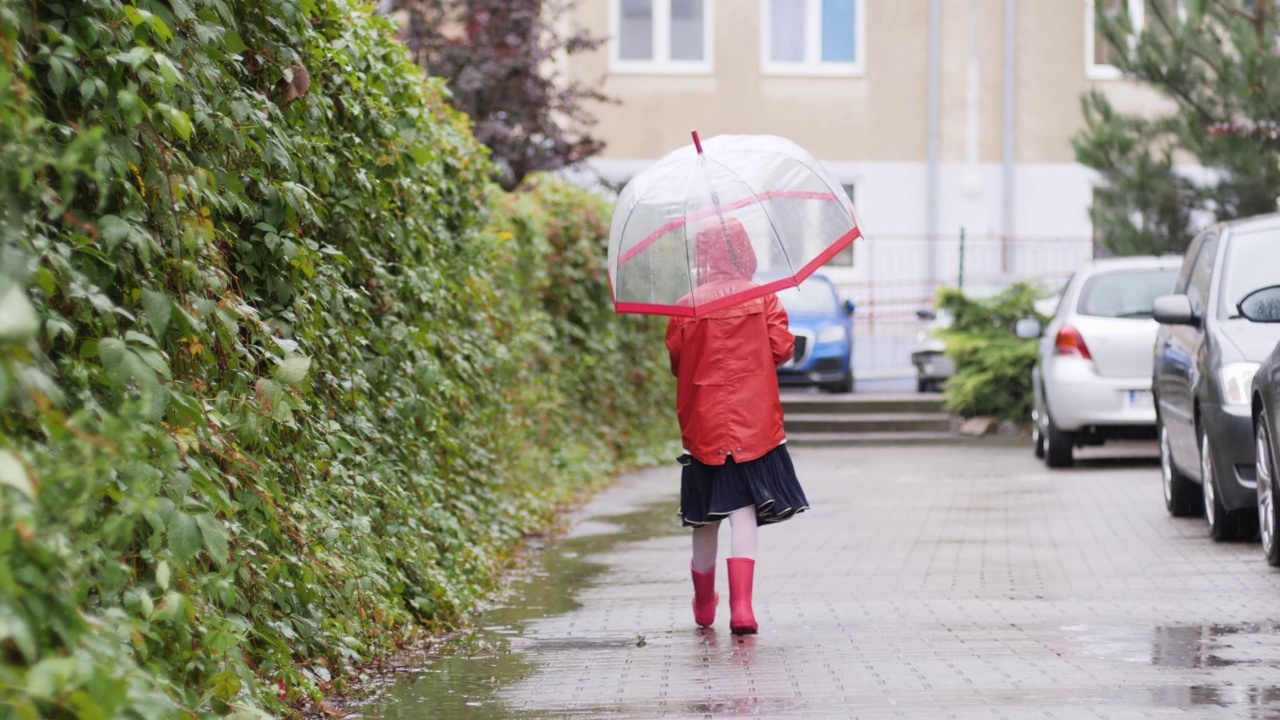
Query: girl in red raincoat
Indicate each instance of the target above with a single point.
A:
(736, 464)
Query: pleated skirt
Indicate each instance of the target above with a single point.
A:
(711, 492)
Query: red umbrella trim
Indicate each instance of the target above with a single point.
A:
(759, 291)
(772, 195)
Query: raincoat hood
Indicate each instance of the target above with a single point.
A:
(724, 252)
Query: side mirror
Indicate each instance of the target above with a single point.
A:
(1173, 310)
(1028, 329)
(1261, 306)
(926, 315)
(849, 307)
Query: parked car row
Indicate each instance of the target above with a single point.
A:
(1092, 378)
(1185, 351)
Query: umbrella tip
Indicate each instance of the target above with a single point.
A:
(697, 142)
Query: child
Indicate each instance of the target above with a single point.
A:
(735, 463)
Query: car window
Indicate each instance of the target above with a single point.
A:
(1202, 273)
(814, 298)
(1061, 298)
(1251, 261)
(1125, 293)
(1180, 286)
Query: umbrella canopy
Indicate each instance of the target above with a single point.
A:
(722, 222)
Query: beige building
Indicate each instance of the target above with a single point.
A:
(935, 114)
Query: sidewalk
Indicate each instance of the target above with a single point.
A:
(925, 582)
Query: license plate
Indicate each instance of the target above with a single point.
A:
(1141, 399)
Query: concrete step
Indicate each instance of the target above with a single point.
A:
(866, 422)
(846, 439)
(856, 403)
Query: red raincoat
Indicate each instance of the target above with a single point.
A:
(726, 362)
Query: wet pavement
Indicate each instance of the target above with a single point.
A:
(925, 582)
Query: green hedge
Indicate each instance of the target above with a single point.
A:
(283, 378)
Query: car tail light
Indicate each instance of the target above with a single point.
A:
(1069, 342)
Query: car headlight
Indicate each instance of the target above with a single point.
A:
(832, 334)
(1237, 381)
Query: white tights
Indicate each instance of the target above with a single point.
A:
(742, 524)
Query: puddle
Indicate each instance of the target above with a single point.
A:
(465, 683)
(1183, 646)
(1251, 646)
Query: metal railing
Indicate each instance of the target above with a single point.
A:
(897, 275)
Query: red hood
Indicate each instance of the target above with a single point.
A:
(724, 252)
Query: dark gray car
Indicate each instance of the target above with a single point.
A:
(1264, 306)
(1205, 356)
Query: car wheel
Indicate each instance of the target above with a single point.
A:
(1223, 525)
(1037, 440)
(1058, 446)
(1268, 493)
(1181, 494)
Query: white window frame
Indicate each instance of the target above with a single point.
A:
(1107, 71)
(661, 62)
(850, 188)
(812, 65)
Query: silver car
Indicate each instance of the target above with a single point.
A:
(1092, 377)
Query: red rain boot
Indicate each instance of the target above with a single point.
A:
(742, 621)
(705, 597)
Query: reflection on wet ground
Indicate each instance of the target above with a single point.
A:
(465, 683)
(968, 582)
(1246, 645)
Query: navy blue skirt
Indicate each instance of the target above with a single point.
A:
(709, 493)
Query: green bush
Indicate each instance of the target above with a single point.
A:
(993, 365)
(283, 378)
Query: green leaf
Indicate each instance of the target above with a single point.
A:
(137, 56)
(293, 369)
(112, 353)
(48, 678)
(13, 473)
(225, 685)
(58, 77)
(184, 536)
(86, 706)
(14, 628)
(18, 321)
(158, 310)
(168, 607)
(215, 537)
(178, 120)
(172, 76)
(162, 575)
(113, 230)
(232, 42)
(137, 338)
(160, 29)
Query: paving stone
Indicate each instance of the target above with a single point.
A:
(960, 581)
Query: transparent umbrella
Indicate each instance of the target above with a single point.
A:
(722, 222)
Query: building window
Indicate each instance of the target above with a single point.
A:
(661, 36)
(844, 258)
(813, 37)
(1101, 53)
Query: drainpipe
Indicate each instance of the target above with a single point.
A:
(1007, 149)
(931, 172)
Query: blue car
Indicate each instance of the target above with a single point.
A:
(823, 327)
